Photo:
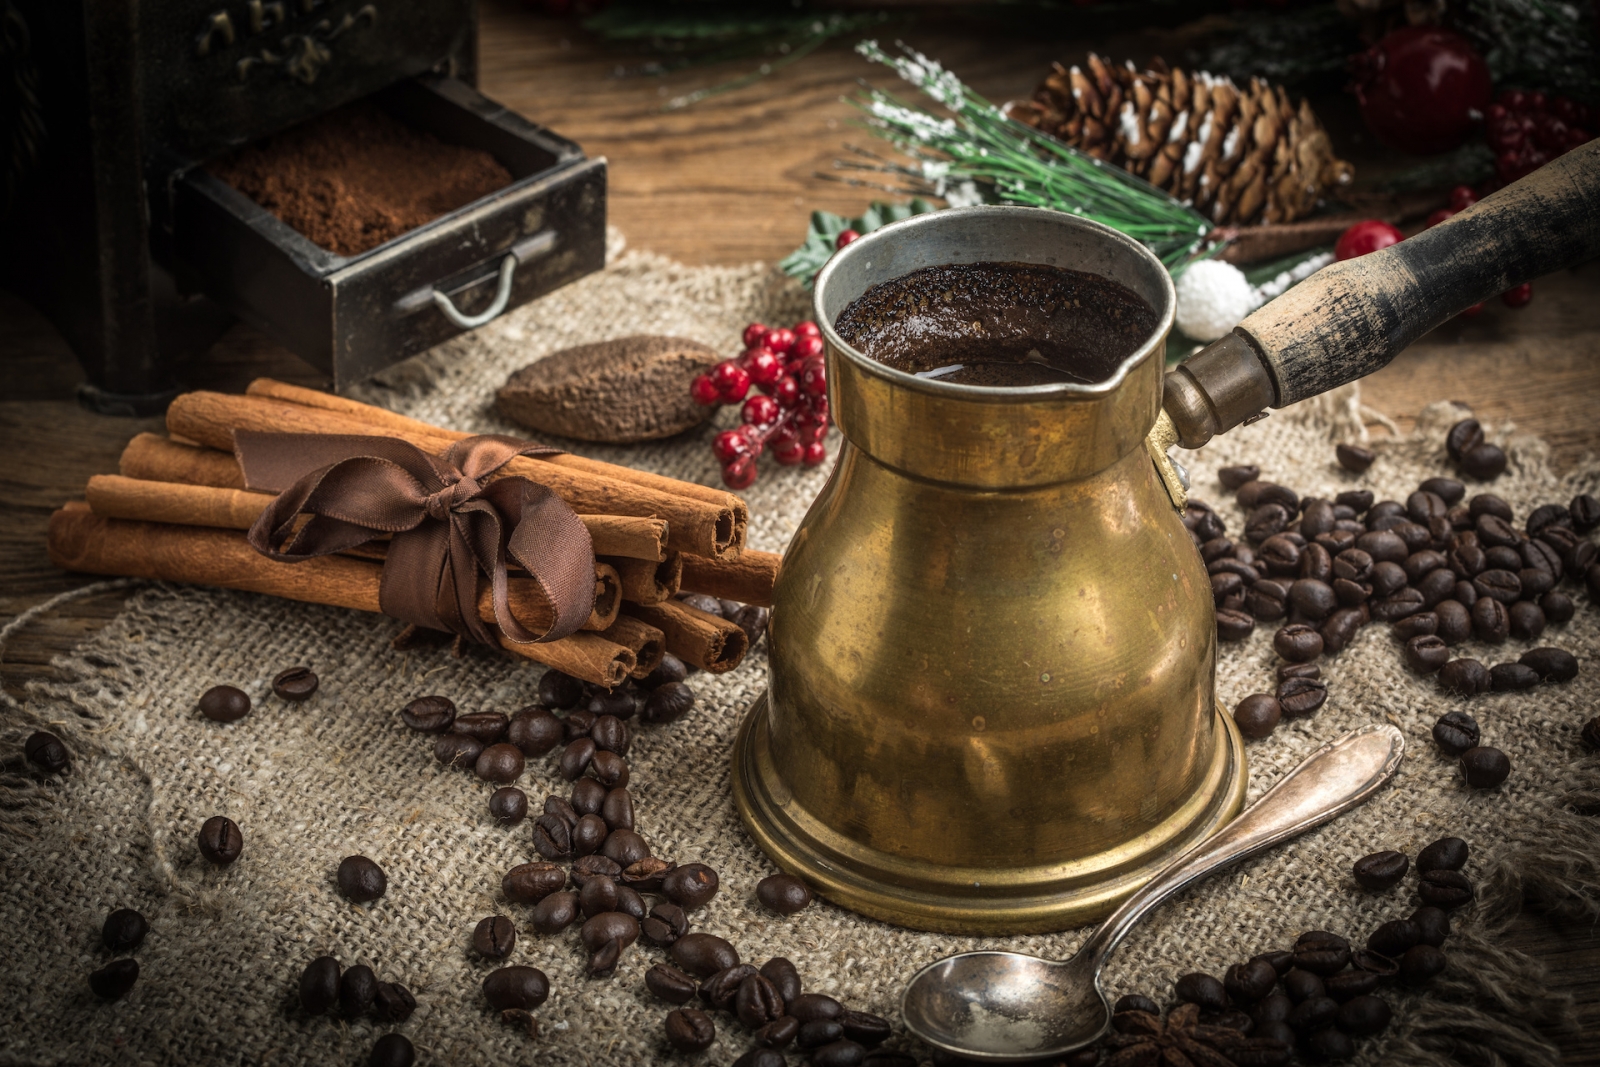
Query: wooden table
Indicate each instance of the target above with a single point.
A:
(730, 180)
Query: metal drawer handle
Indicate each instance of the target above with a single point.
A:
(508, 267)
(531, 247)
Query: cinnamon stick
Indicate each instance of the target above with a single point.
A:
(693, 525)
(582, 655)
(648, 643)
(152, 458)
(397, 423)
(80, 540)
(708, 641)
(747, 577)
(644, 582)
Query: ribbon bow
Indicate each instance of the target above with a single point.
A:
(448, 526)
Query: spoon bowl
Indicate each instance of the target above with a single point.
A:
(1009, 1007)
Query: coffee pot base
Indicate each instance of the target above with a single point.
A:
(963, 900)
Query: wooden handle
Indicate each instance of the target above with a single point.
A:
(1352, 318)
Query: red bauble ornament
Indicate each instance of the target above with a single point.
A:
(760, 410)
(816, 452)
(780, 340)
(729, 445)
(732, 381)
(1518, 297)
(806, 346)
(807, 329)
(764, 367)
(753, 334)
(704, 391)
(786, 391)
(740, 474)
(1421, 88)
(844, 238)
(1366, 236)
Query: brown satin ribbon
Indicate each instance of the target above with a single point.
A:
(448, 526)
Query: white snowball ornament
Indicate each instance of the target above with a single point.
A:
(1213, 298)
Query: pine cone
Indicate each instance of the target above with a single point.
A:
(1239, 156)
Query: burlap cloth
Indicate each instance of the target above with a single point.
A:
(312, 783)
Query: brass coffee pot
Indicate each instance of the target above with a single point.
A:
(992, 643)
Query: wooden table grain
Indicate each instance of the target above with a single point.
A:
(731, 180)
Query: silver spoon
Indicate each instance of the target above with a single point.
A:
(1009, 1007)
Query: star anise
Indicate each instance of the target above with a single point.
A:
(1181, 1040)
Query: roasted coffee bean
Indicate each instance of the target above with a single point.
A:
(645, 875)
(494, 937)
(534, 731)
(1445, 889)
(1340, 628)
(1316, 517)
(609, 769)
(1216, 548)
(1491, 623)
(1257, 715)
(1384, 546)
(1302, 986)
(703, 955)
(758, 1002)
(664, 925)
(1279, 555)
(499, 763)
(1299, 697)
(1454, 622)
(575, 758)
(670, 669)
(529, 883)
(781, 972)
(1364, 959)
(1501, 558)
(713, 606)
(1512, 677)
(668, 703)
(1233, 625)
(394, 1003)
(598, 895)
(1584, 513)
(1353, 564)
(1316, 562)
(1135, 1002)
(489, 727)
(516, 987)
(392, 1050)
(1394, 937)
(589, 835)
(1381, 871)
(123, 930)
(1233, 477)
(752, 619)
(625, 848)
(1463, 677)
(1590, 734)
(1321, 952)
(358, 990)
(1456, 731)
(810, 1007)
(220, 840)
(1247, 983)
(1485, 462)
(1495, 531)
(1448, 490)
(361, 880)
(1558, 608)
(818, 1032)
(1354, 458)
(1540, 556)
(552, 837)
(1338, 541)
(1433, 924)
(1312, 1014)
(587, 797)
(1426, 653)
(1224, 586)
(1420, 964)
(1535, 581)
(1281, 960)
(1423, 623)
(1248, 573)
(1202, 989)
(1347, 984)
(610, 734)
(1271, 1044)
(1247, 496)
(839, 1054)
(1267, 600)
(1363, 1016)
(671, 984)
(1391, 510)
(1357, 500)
(1484, 767)
(430, 714)
(720, 989)
(1551, 664)
(1464, 594)
(1313, 599)
(609, 926)
(319, 985)
(1298, 670)
(554, 912)
(588, 867)
(1445, 854)
(690, 886)
(224, 703)
(865, 1028)
(620, 703)
(295, 684)
(45, 751)
(1398, 605)
(783, 893)
(616, 807)
(767, 1055)
(115, 979)
(1423, 505)
(1264, 521)
(1462, 438)
(1421, 563)
(578, 724)
(629, 902)
(559, 691)
(1500, 585)
(508, 805)
(1437, 587)
(1576, 561)
(1388, 578)
(1297, 643)
(457, 750)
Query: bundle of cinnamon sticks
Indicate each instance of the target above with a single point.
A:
(178, 511)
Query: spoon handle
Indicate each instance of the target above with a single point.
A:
(1335, 778)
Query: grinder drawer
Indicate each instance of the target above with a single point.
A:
(354, 315)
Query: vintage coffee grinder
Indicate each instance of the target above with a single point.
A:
(993, 643)
(115, 230)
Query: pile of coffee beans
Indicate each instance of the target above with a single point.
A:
(356, 992)
(1315, 999)
(1439, 567)
(123, 932)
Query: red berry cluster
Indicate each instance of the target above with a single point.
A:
(788, 416)
(1461, 198)
(1526, 130)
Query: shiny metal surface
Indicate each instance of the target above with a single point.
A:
(1007, 1007)
(992, 640)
